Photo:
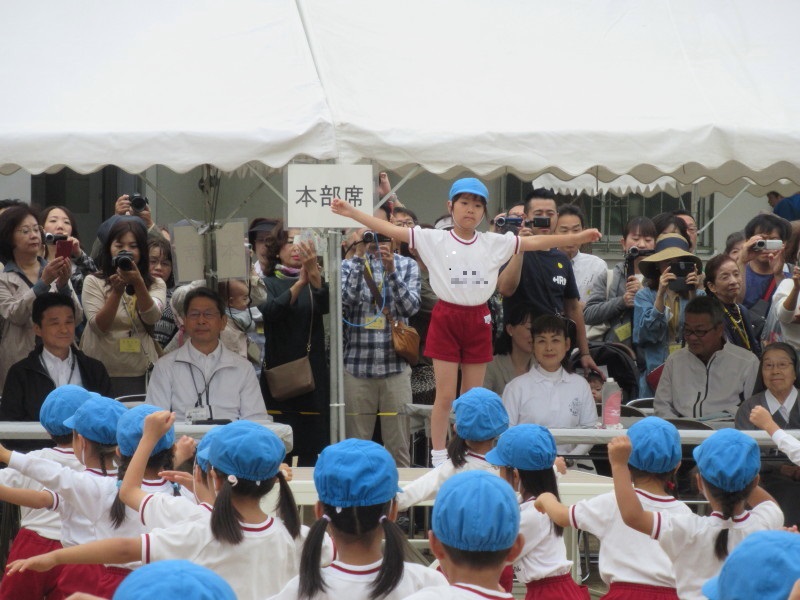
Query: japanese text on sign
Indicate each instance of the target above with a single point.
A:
(312, 188)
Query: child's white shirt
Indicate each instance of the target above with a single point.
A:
(353, 582)
(427, 486)
(463, 272)
(460, 591)
(544, 553)
(566, 402)
(689, 541)
(44, 521)
(627, 555)
(258, 567)
(788, 445)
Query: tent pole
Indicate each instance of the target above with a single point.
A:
(724, 208)
(336, 332)
(267, 183)
(398, 185)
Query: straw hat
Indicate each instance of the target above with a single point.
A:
(669, 246)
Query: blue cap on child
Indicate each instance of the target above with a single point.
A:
(656, 445)
(60, 405)
(480, 415)
(765, 565)
(728, 459)
(528, 447)
(201, 453)
(96, 420)
(469, 185)
(476, 511)
(245, 449)
(131, 427)
(174, 579)
(355, 473)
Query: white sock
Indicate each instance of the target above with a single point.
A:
(438, 457)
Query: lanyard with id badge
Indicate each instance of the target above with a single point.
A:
(131, 344)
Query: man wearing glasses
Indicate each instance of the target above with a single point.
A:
(709, 375)
(202, 379)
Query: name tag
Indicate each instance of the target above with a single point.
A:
(623, 332)
(674, 348)
(130, 344)
(375, 322)
(199, 413)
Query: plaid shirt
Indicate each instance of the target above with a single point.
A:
(369, 353)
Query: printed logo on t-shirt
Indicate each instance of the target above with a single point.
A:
(574, 407)
(467, 277)
(560, 280)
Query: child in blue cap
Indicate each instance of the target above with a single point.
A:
(475, 533)
(526, 455)
(252, 551)
(356, 482)
(40, 526)
(463, 265)
(480, 419)
(728, 463)
(174, 579)
(631, 564)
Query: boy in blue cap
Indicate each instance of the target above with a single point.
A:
(463, 265)
(728, 463)
(475, 533)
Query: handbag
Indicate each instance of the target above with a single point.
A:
(405, 339)
(295, 377)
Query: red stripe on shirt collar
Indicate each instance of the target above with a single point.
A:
(99, 472)
(341, 567)
(263, 527)
(655, 498)
(64, 450)
(460, 241)
(737, 519)
(482, 592)
(478, 456)
(154, 482)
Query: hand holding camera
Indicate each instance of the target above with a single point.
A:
(59, 269)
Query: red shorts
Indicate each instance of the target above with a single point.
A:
(460, 334)
(638, 591)
(507, 579)
(110, 580)
(560, 587)
(80, 578)
(31, 585)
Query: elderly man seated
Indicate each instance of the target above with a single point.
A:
(709, 375)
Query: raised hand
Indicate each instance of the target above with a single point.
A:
(587, 236)
(619, 451)
(762, 418)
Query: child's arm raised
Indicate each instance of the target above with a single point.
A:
(619, 451)
(345, 209)
(111, 550)
(155, 426)
(26, 497)
(759, 495)
(545, 242)
(549, 505)
(761, 418)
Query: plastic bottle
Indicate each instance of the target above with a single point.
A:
(612, 400)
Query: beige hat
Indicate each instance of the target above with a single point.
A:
(669, 246)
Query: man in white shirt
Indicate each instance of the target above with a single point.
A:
(203, 379)
(587, 267)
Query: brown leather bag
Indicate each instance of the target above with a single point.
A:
(405, 339)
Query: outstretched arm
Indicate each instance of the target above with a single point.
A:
(545, 242)
(548, 504)
(619, 451)
(340, 207)
(111, 550)
(26, 497)
(155, 426)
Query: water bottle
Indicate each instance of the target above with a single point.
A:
(612, 400)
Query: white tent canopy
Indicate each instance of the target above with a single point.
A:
(667, 87)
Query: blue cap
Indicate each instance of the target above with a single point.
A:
(469, 185)
(355, 473)
(204, 445)
(528, 447)
(765, 565)
(96, 420)
(60, 405)
(480, 415)
(245, 449)
(476, 511)
(656, 445)
(131, 427)
(728, 459)
(174, 579)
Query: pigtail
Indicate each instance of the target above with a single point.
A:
(224, 516)
(537, 483)
(107, 453)
(394, 554)
(287, 507)
(729, 501)
(457, 451)
(311, 582)
(160, 460)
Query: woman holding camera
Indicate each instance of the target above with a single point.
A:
(26, 275)
(122, 303)
(724, 281)
(671, 276)
(58, 223)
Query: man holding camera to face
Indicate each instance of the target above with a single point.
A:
(376, 379)
(126, 206)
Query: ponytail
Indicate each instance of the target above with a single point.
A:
(160, 460)
(394, 554)
(287, 507)
(537, 483)
(311, 582)
(225, 519)
(224, 516)
(730, 501)
(457, 451)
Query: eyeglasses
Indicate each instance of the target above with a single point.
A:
(207, 315)
(698, 333)
(780, 366)
(160, 263)
(28, 230)
(399, 223)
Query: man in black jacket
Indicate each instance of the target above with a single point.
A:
(52, 363)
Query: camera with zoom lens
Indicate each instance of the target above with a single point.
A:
(506, 224)
(52, 238)
(370, 237)
(768, 245)
(123, 261)
(636, 252)
(138, 203)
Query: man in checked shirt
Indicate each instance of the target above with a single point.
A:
(376, 380)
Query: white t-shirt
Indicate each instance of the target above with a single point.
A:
(562, 402)
(257, 567)
(587, 268)
(427, 486)
(460, 591)
(463, 272)
(788, 445)
(352, 582)
(544, 553)
(627, 555)
(689, 541)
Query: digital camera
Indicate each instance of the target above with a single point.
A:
(768, 245)
(540, 222)
(138, 203)
(123, 261)
(512, 224)
(370, 237)
(52, 238)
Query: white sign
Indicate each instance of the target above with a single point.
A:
(233, 261)
(311, 188)
(187, 254)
